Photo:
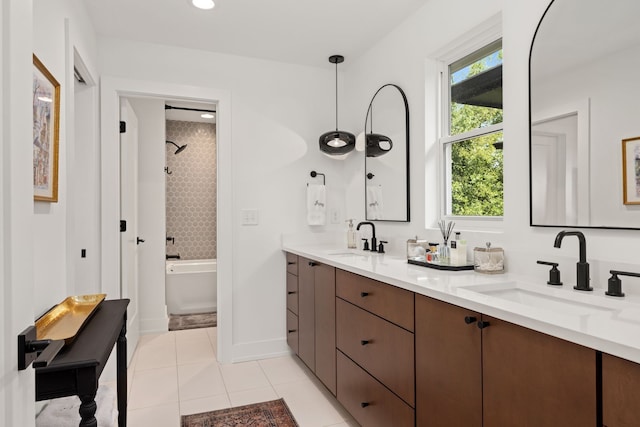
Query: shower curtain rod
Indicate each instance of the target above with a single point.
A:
(169, 107)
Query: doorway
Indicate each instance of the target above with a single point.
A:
(191, 205)
(153, 315)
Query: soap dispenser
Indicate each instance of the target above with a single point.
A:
(351, 235)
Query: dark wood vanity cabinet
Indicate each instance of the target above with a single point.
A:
(620, 385)
(448, 365)
(375, 341)
(498, 375)
(316, 316)
(292, 302)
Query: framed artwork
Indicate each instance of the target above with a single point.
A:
(46, 132)
(631, 171)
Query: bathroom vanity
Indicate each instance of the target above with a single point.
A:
(402, 345)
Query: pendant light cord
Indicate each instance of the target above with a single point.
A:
(336, 96)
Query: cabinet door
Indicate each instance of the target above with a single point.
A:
(325, 325)
(448, 365)
(292, 331)
(620, 385)
(292, 293)
(533, 379)
(306, 312)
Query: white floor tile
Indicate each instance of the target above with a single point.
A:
(156, 354)
(195, 350)
(188, 335)
(194, 383)
(283, 369)
(255, 395)
(243, 376)
(197, 380)
(156, 416)
(309, 405)
(154, 387)
(205, 404)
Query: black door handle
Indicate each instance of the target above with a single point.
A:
(469, 319)
(312, 264)
(139, 240)
(364, 294)
(483, 324)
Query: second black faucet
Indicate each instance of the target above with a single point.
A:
(373, 239)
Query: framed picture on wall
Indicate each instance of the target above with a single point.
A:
(631, 170)
(46, 132)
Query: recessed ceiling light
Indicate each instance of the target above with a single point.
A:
(207, 116)
(203, 4)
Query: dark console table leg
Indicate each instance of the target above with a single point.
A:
(121, 366)
(88, 410)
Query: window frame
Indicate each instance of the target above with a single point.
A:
(471, 42)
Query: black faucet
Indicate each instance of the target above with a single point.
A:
(373, 239)
(582, 267)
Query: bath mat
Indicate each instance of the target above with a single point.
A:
(178, 322)
(275, 413)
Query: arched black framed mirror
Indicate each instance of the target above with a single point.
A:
(584, 96)
(387, 156)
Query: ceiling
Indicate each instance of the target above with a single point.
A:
(302, 32)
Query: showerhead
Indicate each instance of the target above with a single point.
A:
(180, 148)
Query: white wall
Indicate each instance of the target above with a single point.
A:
(59, 27)
(17, 388)
(278, 112)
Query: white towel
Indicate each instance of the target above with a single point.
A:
(316, 204)
(374, 202)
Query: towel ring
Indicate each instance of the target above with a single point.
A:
(314, 174)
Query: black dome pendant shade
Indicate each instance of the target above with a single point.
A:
(337, 142)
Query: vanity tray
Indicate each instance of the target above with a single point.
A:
(438, 265)
(65, 320)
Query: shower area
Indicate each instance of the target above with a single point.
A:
(191, 215)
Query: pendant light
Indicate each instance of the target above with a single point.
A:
(337, 142)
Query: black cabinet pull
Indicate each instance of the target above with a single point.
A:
(312, 264)
(291, 331)
(291, 292)
(365, 342)
(364, 404)
(364, 294)
(483, 324)
(469, 319)
(290, 262)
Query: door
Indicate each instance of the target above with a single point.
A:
(129, 240)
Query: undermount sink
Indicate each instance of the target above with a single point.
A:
(562, 301)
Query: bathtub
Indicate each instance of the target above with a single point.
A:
(191, 286)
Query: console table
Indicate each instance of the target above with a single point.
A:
(76, 368)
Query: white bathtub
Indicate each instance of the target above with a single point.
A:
(191, 286)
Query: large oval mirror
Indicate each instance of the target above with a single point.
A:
(584, 95)
(387, 156)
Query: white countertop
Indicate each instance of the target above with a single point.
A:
(591, 319)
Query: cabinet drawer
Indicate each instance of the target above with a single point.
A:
(368, 401)
(394, 304)
(292, 293)
(383, 349)
(292, 331)
(292, 264)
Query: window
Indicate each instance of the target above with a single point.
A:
(472, 138)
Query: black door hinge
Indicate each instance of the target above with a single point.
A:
(123, 226)
(123, 127)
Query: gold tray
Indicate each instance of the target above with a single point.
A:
(64, 321)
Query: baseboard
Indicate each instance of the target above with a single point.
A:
(157, 325)
(244, 352)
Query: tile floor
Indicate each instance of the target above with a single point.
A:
(176, 373)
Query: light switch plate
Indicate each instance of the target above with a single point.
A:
(334, 215)
(249, 216)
